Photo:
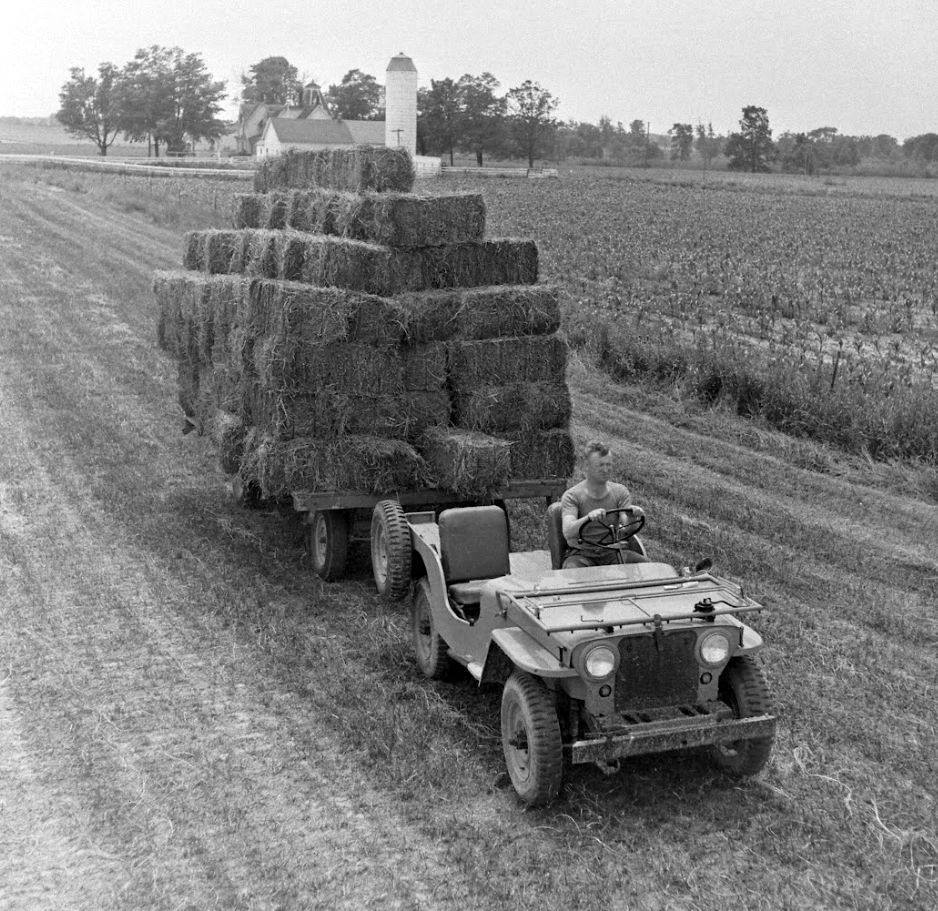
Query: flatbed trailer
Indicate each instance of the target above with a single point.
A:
(336, 519)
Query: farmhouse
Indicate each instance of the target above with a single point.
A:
(270, 130)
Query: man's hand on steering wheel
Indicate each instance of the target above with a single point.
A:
(615, 534)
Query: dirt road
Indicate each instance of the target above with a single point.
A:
(188, 719)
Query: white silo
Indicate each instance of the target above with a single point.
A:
(400, 104)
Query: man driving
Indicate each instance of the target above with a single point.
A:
(585, 504)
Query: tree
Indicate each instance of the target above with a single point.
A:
(707, 143)
(682, 141)
(356, 97)
(482, 114)
(90, 107)
(531, 117)
(273, 80)
(168, 97)
(924, 147)
(797, 152)
(752, 148)
(441, 116)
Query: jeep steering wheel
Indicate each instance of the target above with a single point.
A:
(615, 535)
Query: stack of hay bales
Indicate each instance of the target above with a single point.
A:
(347, 335)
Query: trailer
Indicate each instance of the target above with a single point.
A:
(335, 520)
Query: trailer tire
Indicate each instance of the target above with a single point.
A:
(327, 543)
(744, 689)
(391, 550)
(531, 739)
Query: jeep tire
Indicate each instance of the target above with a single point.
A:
(744, 689)
(531, 739)
(431, 652)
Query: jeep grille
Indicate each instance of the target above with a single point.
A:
(657, 670)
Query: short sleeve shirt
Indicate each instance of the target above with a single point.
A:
(576, 503)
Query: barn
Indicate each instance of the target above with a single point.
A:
(312, 126)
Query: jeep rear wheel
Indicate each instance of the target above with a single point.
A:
(431, 652)
(327, 541)
(390, 550)
(744, 689)
(531, 739)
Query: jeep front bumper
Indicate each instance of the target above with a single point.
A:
(660, 736)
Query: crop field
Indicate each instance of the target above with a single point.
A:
(817, 312)
(189, 718)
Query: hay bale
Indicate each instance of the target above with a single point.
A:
(282, 364)
(169, 288)
(330, 412)
(465, 462)
(248, 210)
(228, 434)
(356, 170)
(358, 266)
(352, 463)
(541, 453)
(194, 250)
(498, 362)
(538, 405)
(480, 313)
(220, 249)
(261, 254)
(312, 315)
(388, 219)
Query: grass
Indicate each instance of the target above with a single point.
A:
(209, 725)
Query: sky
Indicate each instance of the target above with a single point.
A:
(864, 67)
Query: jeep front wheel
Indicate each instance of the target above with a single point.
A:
(744, 689)
(531, 739)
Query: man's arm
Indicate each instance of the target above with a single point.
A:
(572, 523)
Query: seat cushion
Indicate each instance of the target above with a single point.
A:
(466, 592)
(474, 543)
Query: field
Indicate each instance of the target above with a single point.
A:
(190, 719)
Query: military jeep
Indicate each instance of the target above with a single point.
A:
(596, 664)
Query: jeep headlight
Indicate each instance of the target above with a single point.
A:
(600, 662)
(714, 648)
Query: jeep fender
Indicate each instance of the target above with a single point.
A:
(512, 648)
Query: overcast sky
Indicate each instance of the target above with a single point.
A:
(861, 66)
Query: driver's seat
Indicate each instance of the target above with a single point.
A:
(557, 543)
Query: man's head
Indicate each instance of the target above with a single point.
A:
(598, 461)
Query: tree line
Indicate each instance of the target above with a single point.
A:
(166, 97)
(163, 96)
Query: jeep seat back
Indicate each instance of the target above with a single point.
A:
(556, 543)
(474, 543)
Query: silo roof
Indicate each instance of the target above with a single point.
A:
(401, 63)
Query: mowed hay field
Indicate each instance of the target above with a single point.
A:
(190, 719)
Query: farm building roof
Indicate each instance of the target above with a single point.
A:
(329, 132)
(366, 132)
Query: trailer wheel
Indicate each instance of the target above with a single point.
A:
(531, 739)
(431, 652)
(744, 689)
(327, 541)
(390, 550)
